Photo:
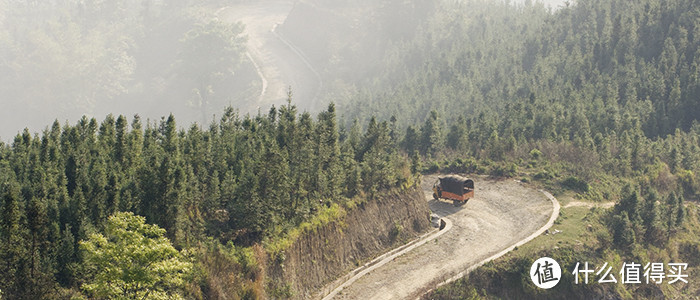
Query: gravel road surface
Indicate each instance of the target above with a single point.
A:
(502, 214)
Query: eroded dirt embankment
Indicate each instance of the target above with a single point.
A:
(368, 230)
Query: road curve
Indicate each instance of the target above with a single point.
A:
(279, 64)
(356, 274)
(503, 214)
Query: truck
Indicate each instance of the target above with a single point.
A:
(454, 187)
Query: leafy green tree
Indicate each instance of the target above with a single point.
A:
(133, 260)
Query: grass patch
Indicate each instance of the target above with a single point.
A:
(576, 226)
(275, 246)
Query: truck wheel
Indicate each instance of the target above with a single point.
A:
(455, 202)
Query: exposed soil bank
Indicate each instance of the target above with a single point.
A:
(370, 229)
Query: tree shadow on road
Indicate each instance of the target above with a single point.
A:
(446, 208)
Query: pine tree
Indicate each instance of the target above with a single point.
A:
(13, 249)
(431, 140)
(107, 134)
(680, 210)
(623, 232)
(416, 167)
(66, 258)
(274, 179)
(457, 136)
(189, 226)
(97, 193)
(629, 204)
(328, 170)
(120, 147)
(410, 142)
(37, 224)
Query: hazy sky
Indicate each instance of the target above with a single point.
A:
(62, 72)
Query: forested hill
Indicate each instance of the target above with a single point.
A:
(598, 100)
(241, 180)
(511, 67)
(601, 88)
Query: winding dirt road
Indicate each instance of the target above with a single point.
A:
(502, 215)
(278, 63)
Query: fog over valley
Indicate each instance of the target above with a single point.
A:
(61, 61)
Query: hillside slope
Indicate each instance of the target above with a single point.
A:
(367, 230)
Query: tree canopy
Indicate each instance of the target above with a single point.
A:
(133, 260)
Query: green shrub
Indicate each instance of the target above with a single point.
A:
(395, 232)
(575, 184)
(504, 171)
(543, 175)
(433, 168)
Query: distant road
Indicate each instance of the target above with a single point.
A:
(502, 215)
(279, 64)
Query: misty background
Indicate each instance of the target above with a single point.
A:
(60, 60)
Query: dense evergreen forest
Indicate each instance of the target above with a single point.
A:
(600, 97)
(242, 179)
(612, 61)
(602, 89)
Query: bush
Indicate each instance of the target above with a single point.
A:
(433, 168)
(395, 232)
(543, 175)
(504, 171)
(535, 154)
(575, 184)
(687, 180)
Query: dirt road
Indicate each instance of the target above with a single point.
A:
(502, 214)
(278, 63)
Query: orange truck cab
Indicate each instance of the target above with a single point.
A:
(454, 187)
